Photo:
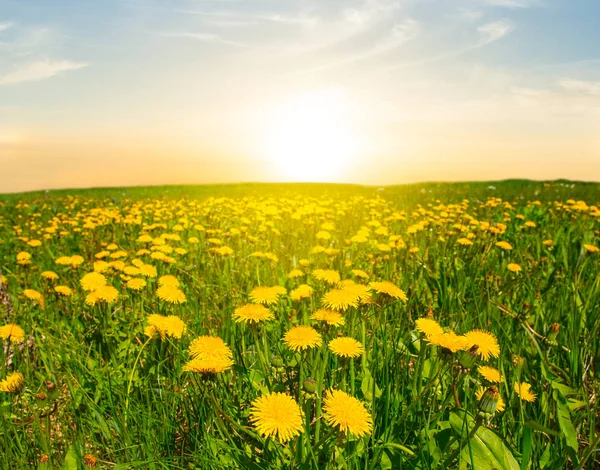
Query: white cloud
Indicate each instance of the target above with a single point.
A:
(491, 32)
(581, 86)
(39, 70)
(511, 3)
(470, 15)
(4, 26)
(207, 38)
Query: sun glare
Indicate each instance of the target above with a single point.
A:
(310, 136)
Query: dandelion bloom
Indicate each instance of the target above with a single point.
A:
(360, 273)
(330, 317)
(92, 281)
(464, 241)
(171, 325)
(450, 341)
(107, 293)
(147, 270)
(429, 327)
(49, 275)
(14, 383)
(490, 374)
(276, 415)
(340, 299)
(171, 294)
(523, 389)
(347, 412)
(90, 461)
(548, 242)
(266, 295)
(504, 245)
(500, 405)
(303, 291)
(12, 332)
(136, 283)
(208, 365)
(486, 342)
(328, 275)
(209, 346)
(32, 294)
(514, 267)
(363, 292)
(252, 313)
(295, 273)
(390, 289)
(92, 299)
(168, 280)
(302, 337)
(63, 290)
(345, 346)
(591, 248)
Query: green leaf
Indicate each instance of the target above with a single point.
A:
(485, 450)
(70, 459)
(367, 387)
(540, 427)
(527, 447)
(564, 421)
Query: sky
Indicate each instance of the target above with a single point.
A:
(137, 92)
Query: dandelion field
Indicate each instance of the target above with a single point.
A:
(301, 327)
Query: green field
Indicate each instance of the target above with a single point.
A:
(450, 292)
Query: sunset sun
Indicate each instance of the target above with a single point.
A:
(310, 137)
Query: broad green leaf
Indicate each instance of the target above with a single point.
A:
(564, 421)
(485, 450)
(527, 447)
(70, 460)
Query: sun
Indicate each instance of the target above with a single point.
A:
(310, 136)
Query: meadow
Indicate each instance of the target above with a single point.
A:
(430, 326)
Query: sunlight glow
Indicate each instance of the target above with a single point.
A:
(310, 136)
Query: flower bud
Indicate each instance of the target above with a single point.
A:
(489, 400)
(310, 385)
(276, 361)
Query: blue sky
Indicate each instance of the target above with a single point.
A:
(153, 91)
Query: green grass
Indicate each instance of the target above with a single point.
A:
(124, 399)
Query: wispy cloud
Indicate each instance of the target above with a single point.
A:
(491, 32)
(39, 70)
(252, 18)
(581, 86)
(512, 3)
(207, 38)
(4, 26)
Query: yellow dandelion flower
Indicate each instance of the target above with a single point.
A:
(107, 293)
(390, 289)
(302, 337)
(14, 383)
(208, 365)
(347, 413)
(92, 281)
(340, 299)
(429, 327)
(514, 267)
(92, 299)
(345, 346)
(209, 347)
(591, 248)
(136, 283)
(500, 405)
(266, 295)
(303, 291)
(486, 342)
(548, 242)
(171, 294)
(168, 280)
(49, 275)
(32, 294)
(363, 292)
(504, 245)
(12, 332)
(63, 290)
(360, 273)
(490, 374)
(276, 415)
(450, 341)
(147, 270)
(328, 275)
(171, 325)
(464, 241)
(252, 313)
(523, 389)
(330, 317)
(63, 260)
(295, 273)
